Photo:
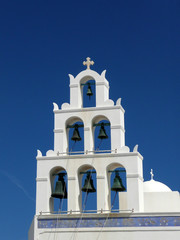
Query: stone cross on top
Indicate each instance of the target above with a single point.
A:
(88, 63)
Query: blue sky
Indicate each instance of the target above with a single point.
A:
(41, 42)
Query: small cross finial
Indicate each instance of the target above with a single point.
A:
(152, 175)
(88, 63)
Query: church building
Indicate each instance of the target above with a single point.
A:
(91, 186)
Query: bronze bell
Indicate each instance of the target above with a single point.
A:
(89, 91)
(88, 185)
(117, 184)
(76, 135)
(60, 188)
(102, 132)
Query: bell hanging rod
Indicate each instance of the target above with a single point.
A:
(99, 124)
(116, 171)
(73, 126)
(88, 83)
(87, 172)
(60, 174)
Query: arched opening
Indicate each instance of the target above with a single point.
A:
(87, 186)
(102, 134)
(59, 188)
(88, 93)
(117, 187)
(75, 136)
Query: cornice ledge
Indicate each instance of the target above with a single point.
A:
(118, 127)
(102, 155)
(88, 109)
(41, 179)
(134, 175)
(100, 177)
(104, 215)
(73, 85)
(102, 83)
(58, 130)
(71, 178)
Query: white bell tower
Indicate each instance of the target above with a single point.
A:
(147, 210)
(60, 159)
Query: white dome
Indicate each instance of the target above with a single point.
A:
(155, 186)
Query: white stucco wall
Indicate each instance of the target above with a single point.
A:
(102, 163)
(125, 234)
(162, 202)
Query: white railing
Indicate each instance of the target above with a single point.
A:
(101, 211)
(87, 152)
